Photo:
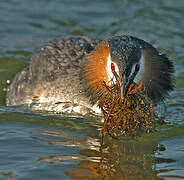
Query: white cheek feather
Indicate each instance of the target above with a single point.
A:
(139, 74)
(111, 77)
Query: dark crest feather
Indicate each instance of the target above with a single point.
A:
(158, 72)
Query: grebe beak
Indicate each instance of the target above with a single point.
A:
(129, 80)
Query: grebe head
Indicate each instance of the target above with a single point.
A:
(134, 60)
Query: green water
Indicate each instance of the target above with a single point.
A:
(42, 146)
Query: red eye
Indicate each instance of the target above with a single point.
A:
(112, 67)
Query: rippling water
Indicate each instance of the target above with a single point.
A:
(52, 147)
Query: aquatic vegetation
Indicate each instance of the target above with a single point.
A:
(130, 115)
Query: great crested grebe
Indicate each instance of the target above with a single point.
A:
(66, 74)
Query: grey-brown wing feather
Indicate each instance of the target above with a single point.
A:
(53, 73)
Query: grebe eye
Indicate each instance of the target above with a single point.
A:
(112, 67)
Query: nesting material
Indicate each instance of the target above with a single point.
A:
(130, 115)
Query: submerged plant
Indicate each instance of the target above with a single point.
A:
(130, 115)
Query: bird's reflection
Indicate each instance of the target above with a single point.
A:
(115, 159)
(115, 162)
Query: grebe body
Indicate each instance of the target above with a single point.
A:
(66, 74)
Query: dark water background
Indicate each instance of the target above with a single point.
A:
(53, 147)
